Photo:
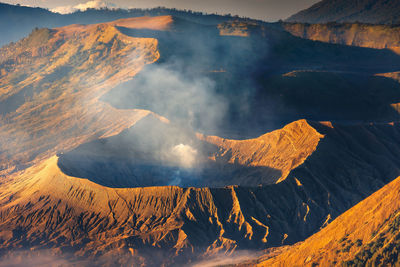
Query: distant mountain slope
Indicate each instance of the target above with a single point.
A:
(18, 21)
(354, 34)
(366, 11)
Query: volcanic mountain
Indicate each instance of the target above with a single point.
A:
(105, 161)
(45, 208)
(365, 11)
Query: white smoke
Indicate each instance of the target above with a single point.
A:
(166, 90)
(185, 155)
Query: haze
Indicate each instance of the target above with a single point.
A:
(269, 10)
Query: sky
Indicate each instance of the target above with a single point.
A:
(268, 10)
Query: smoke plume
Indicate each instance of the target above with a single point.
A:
(185, 154)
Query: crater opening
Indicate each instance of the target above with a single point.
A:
(154, 153)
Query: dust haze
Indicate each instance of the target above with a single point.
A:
(222, 259)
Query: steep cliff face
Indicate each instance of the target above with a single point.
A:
(356, 34)
(56, 77)
(43, 207)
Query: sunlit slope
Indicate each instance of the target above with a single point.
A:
(283, 149)
(150, 23)
(51, 82)
(367, 234)
(44, 207)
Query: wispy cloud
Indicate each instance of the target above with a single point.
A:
(96, 4)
